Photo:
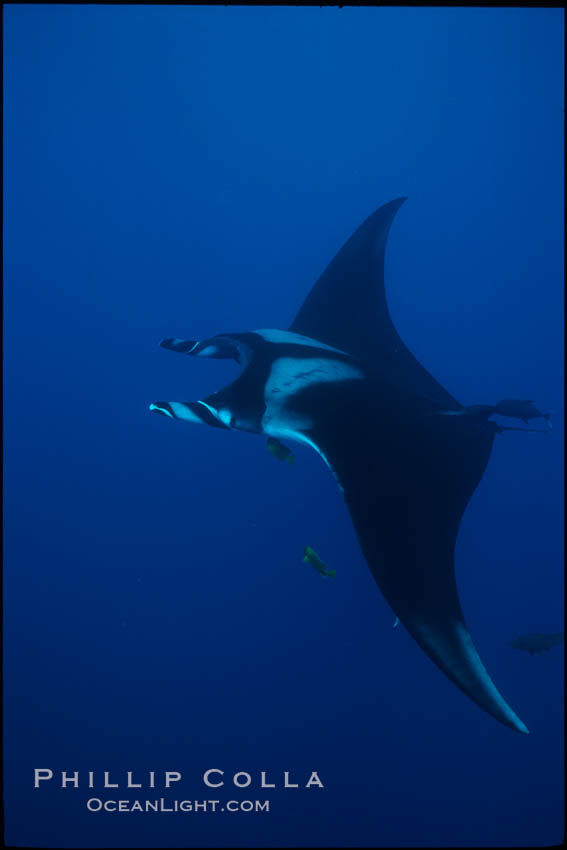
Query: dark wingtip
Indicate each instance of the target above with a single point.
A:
(450, 646)
(383, 217)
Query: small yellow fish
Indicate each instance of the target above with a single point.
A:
(279, 451)
(312, 558)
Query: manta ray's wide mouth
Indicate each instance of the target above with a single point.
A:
(221, 347)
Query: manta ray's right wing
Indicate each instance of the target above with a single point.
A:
(407, 478)
(407, 475)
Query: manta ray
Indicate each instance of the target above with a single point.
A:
(404, 453)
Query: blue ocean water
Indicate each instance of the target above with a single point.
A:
(183, 171)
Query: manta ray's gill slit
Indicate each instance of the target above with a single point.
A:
(291, 373)
(288, 377)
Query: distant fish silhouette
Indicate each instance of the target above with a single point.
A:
(342, 381)
(519, 409)
(537, 642)
(512, 408)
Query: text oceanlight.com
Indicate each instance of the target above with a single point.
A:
(95, 804)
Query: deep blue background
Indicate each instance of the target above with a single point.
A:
(177, 171)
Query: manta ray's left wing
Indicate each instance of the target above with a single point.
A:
(347, 308)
